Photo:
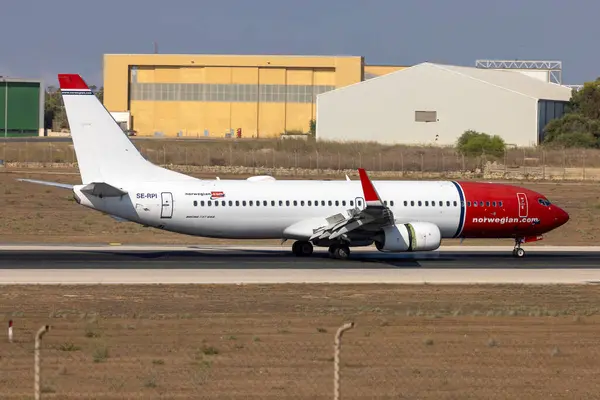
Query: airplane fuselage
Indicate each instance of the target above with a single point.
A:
(291, 209)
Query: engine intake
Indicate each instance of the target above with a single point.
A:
(415, 236)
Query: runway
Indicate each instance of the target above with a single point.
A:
(272, 265)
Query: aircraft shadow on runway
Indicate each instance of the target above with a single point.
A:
(274, 259)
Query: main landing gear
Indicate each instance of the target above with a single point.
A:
(339, 251)
(518, 251)
(303, 248)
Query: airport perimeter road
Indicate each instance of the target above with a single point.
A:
(223, 264)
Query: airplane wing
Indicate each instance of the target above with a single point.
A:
(359, 222)
(99, 189)
(46, 183)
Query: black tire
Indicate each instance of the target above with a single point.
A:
(342, 252)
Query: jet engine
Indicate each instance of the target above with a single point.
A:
(415, 236)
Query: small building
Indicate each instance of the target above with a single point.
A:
(21, 107)
(434, 104)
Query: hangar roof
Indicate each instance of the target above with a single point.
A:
(505, 79)
(512, 80)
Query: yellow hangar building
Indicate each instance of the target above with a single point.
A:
(223, 95)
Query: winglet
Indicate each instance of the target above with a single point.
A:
(72, 82)
(371, 196)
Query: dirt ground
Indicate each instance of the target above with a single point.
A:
(267, 342)
(33, 213)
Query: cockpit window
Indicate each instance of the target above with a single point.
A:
(544, 202)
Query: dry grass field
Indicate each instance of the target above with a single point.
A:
(274, 342)
(33, 213)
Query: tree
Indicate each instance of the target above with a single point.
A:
(580, 125)
(573, 130)
(312, 127)
(586, 101)
(473, 143)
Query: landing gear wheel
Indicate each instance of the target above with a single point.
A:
(341, 252)
(519, 252)
(302, 248)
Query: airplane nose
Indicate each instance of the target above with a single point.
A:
(560, 216)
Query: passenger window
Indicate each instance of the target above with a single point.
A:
(392, 203)
(295, 202)
(209, 203)
(493, 204)
(244, 203)
(257, 203)
(309, 203)
(202, 203)
(447, 204)
(360, 202)
(195, 203)
(441, 203)
(352, 203)
(455, 203)
(468, 204)
(272, 203)
(237, 203)
(426, 203)
(250, 203)
(337, 202)
(302, 202)
(405, 203)
(481, 203)
(487, 203)
(500, 203)
(287, 203)
(281, 202)
(412, 203)
(329, 202)
(216, 204)
(343, 202)
(419, 203)
(385, 202)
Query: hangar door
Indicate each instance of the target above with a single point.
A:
(547, 111)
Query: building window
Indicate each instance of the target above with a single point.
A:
(425, 116)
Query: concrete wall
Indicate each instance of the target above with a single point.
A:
(383, 109)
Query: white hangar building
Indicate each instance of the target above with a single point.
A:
(434, 104)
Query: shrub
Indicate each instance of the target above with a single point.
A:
(472, 143)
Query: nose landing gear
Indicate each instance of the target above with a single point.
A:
(518, 251)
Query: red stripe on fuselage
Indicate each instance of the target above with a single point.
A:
(504, 211)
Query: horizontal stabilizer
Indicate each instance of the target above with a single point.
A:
(101, 189)
(46, 183)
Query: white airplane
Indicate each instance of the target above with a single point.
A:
(396, 216)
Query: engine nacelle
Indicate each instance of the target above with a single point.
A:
(415, 236)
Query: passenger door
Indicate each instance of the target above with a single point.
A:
(166, 210)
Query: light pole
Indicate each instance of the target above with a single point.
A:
(5, 107)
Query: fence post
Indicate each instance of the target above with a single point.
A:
(336, 359)
(38, 340)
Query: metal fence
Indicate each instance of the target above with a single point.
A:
(426, 358)
(286, 157)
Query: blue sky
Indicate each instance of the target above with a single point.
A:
(39, 39)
